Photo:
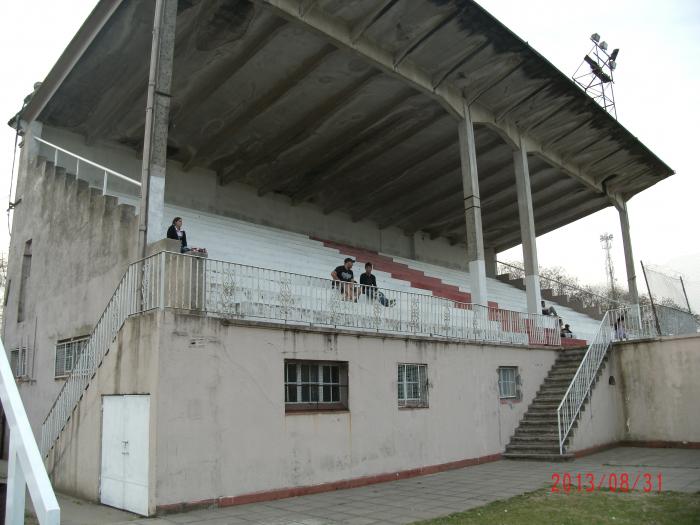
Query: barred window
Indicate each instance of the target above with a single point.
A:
(18, 361)
(68, 352)
(315, 385)
(508, 382)
(413, 385)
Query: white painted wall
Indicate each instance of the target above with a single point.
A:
(198, 189)
(81, 245)
(222, 425)
(662, 389)
(602, 421)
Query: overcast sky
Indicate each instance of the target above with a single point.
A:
(656, 89)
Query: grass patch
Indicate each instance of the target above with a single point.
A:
(543, 507)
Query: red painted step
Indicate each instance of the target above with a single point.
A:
(401, 271)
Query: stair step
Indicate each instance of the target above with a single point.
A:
(536, 439)
(551, 447)
(538, 456)
(538, 436)
(562, 374)
(556, 384)
(553, 398)
(565, 367)
(556, 381)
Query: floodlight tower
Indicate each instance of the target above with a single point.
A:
(595, 74)
(606, 241)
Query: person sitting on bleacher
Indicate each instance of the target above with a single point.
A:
(548, 311)
(567, 331)
(176, 232)
(369, 287)
(346, 278)
(564, 330)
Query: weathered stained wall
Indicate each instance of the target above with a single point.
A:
(198, 189)
(81, 244)
(222, 402)
(130, 367)
(602, 421)
(662, 389)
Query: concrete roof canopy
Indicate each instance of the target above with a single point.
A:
(292, 96)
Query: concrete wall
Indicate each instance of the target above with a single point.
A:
(662, 389)
(602, 421)
(224, 431)
(130, 367)
(81, 244)
(198, 189)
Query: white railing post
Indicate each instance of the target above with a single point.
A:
(16, 485)
(25, 467)
(104, 184)
(561, 443)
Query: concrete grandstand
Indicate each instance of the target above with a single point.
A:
(422, 136)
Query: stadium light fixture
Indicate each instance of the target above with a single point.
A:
(595, 74)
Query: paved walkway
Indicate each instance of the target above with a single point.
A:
(410, 500)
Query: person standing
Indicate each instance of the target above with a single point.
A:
(176, 232)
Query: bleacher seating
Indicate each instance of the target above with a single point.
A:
(261, 246)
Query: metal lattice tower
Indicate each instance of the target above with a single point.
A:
(606, 241)
(595, 74)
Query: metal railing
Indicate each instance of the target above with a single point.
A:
(574, 294)
(95, 174)
(135, 293)
(621, 324)
(673, 321)
(236, 291)
(25, 467)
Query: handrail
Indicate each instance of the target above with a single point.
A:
(566, 285)
(225, 289)
(25, 466)
(620, 324)
(131, 296)
(91, 163)
(580, 385)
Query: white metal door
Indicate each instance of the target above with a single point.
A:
(124, 474)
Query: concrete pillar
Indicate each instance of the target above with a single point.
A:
(491, 263)
(155, 140)
(472, 210)
(527, 232)
(629, 258)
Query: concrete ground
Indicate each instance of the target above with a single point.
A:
(424, 497)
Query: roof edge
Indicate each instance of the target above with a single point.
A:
(563, 77)
(93, 24)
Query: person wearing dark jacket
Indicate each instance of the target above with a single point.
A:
(177, 233)
(368, 283)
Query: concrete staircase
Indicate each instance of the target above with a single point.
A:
(537, 436)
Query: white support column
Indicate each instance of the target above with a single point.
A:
(527, 231)
(155, 141)
(472, 210)
(629, 258)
